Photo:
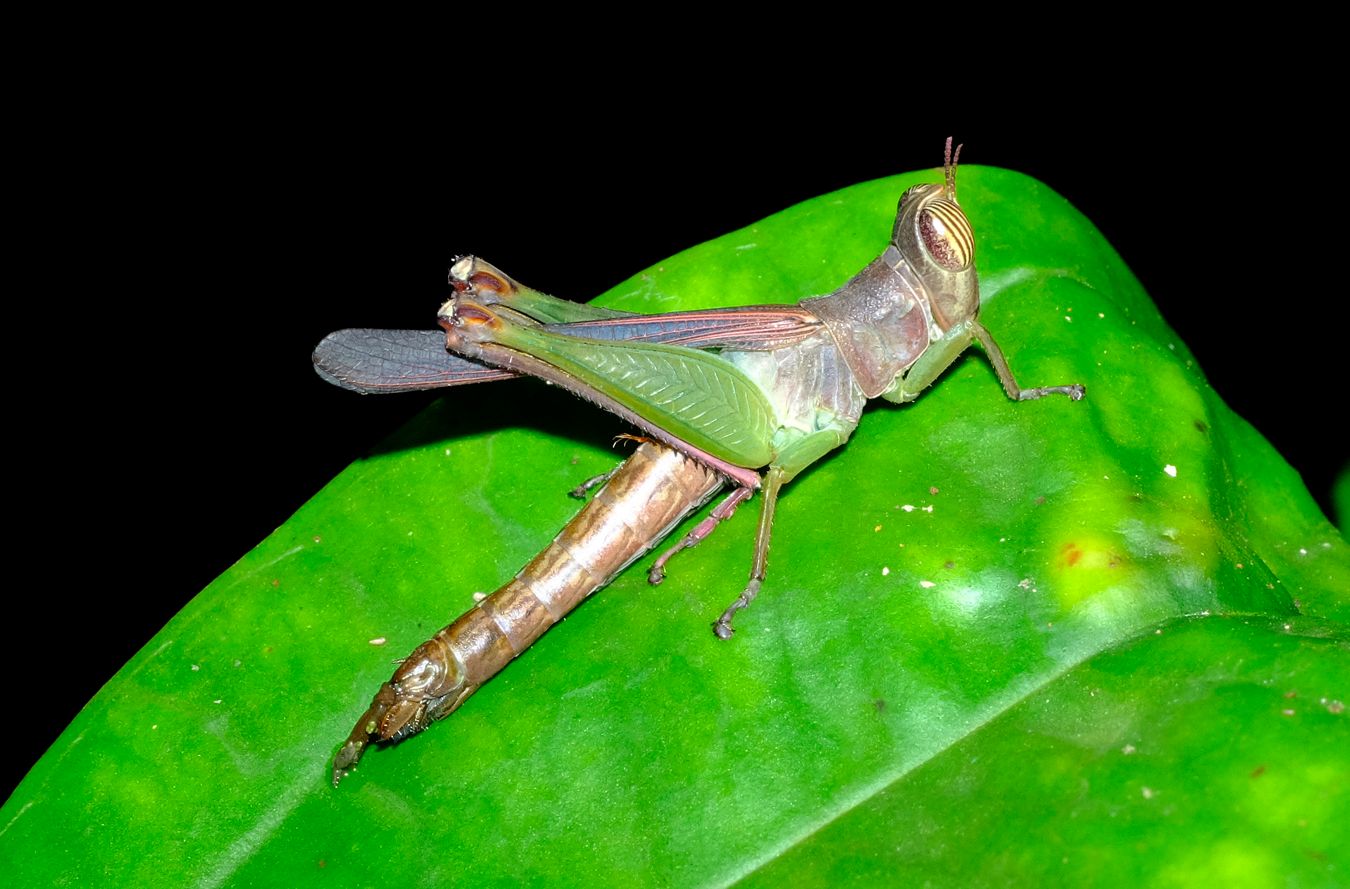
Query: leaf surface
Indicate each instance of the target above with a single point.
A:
(1082, 642)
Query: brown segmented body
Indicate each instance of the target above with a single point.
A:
(635, 509)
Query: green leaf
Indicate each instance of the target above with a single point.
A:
(1089, 642)
(1340, 497)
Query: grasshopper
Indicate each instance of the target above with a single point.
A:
(747, 397)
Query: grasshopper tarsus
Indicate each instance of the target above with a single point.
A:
(581, 490)
(722, 627)
(590, 484)
(1075, 392)
(658, 569)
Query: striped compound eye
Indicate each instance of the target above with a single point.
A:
(946, 234)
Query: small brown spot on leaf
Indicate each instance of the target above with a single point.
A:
(1071, 554)
(879, 704)
(1258, 771)
(1201, 426)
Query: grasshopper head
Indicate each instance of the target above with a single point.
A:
(934, 236)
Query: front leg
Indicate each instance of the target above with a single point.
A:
(941, 353)
(1005, 374)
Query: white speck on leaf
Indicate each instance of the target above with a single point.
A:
(1170, 470)
(927, 584)
(378, 640)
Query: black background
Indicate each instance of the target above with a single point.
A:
(209, 241)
